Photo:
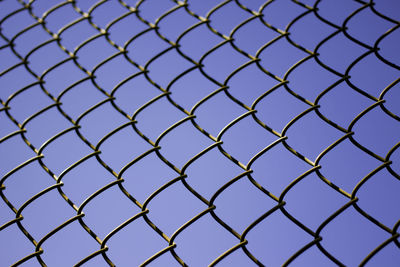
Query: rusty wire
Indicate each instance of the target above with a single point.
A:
(347, 132)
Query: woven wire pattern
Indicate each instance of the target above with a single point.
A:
(110, 96)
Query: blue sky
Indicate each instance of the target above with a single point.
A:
(197, 128)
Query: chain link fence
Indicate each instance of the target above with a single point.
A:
(158, 71)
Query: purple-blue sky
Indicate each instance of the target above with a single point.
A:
(101, 82)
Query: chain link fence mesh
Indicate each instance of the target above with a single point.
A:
(141, 70)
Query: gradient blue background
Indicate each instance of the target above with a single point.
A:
(349, 237)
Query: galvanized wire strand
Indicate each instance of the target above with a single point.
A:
(283, 83)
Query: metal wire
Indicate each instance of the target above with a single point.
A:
(190, 116)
